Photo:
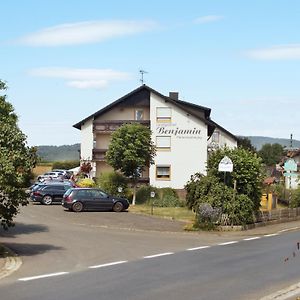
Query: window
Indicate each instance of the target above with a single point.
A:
(163, 172)
(163, 143)
(216, 137)
(163, 114)
(139, 114)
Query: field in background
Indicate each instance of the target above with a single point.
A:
(42, 168)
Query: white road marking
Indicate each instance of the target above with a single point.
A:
(198, 248)
(271, 234)
(252, 238)
(288, 229)
(228, 243)
(43, 276)
(108, 264)
(158, 255)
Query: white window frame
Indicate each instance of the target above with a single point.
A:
(163, 142)
(163, 114)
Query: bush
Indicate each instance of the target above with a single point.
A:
(295, 200)
(143, 194)
(86, 182)
(207, 216)
(110, 182)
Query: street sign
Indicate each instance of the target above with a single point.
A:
(225, 165)
(290, 165)
(290, 174)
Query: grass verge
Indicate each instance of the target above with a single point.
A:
(174, 213)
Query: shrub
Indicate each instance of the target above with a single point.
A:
(295, 199)
(110, 182)
(86, 182)
(207, 216)
(143, 194)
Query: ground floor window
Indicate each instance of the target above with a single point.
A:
(163, 172)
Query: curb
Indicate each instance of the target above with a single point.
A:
(11, 264)
(287, 293)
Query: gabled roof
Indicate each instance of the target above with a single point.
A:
(225, 130)
(190, 108)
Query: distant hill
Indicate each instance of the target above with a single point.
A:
(259, 141)
(58, 153)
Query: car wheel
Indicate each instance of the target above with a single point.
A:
(47, 200)
(77, 207)
(118, 207)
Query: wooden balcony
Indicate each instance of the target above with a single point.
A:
(99, 154)
(111, 126)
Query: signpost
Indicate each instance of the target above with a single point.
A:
(225, 165)
(290, 166)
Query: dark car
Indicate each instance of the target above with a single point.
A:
(80, 199)
(49, 193)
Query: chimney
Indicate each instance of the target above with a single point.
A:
(173, 95)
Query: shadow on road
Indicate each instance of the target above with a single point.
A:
(21, 228)
(23, 249)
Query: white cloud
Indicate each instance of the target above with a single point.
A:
(85, 32)
(208, 19)
(282, 52)
(82, 78)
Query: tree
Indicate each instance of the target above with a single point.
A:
(130, 151)
(238, 196)
(245, 143)
(16, 162)
(271, 154)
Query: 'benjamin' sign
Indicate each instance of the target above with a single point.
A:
(179, 132)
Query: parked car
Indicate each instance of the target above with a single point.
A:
(80, 199)
(50, 175)
(49, 193)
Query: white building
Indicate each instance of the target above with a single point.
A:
(182, 132)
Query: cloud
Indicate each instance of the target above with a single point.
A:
(82, 78)
(208, 19)
(85, 32)
(282, 52)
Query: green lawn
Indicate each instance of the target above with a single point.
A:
(174, 213)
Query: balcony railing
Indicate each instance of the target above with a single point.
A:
(99, 154)
(110, 126)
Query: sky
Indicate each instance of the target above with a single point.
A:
(65, 60)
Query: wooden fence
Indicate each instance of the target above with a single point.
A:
(278, 215)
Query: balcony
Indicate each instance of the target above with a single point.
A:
(111, 126)
(99, 154)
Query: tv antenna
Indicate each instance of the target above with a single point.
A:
(142, 72)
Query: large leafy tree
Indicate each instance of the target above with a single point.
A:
(130, 151)
(245, 143)
(238, 194)
(271, 154)
(16, 162)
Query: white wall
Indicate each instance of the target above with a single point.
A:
(224, 139)
(188, 153)
(87, 138)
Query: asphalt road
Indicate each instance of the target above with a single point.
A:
(114, 256)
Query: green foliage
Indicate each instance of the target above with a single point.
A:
(247, 172)
(143, 194)
(110, 183)
(295, 199)
(246, 144)
(164, 197)
(131, 149)
(271, 154)
(58, 153)
(16, 163)
(86, 182)
(239, 205)
(65, 165)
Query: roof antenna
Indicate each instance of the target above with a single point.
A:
(142, 75)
